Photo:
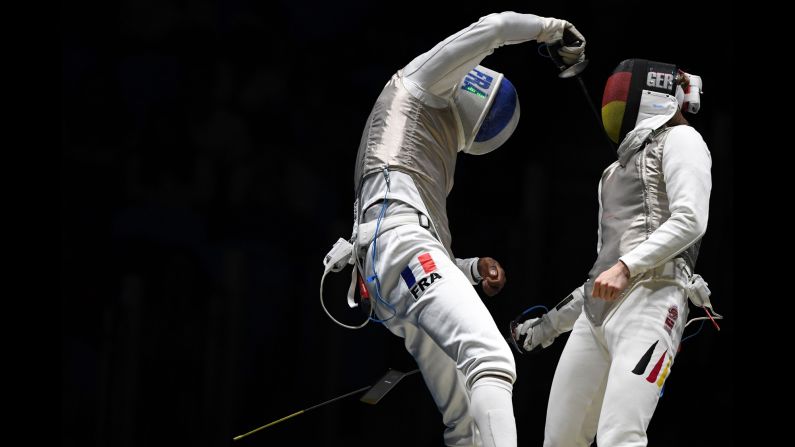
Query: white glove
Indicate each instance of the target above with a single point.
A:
(553, 30)
(543, 331)
(537, 332)
(572, 54)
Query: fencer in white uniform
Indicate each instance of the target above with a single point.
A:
(629, 315)
(438, 105)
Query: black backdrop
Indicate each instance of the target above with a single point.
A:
(207, 167)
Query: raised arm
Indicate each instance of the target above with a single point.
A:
(437, 71)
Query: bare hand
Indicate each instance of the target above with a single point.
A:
(610, 283)
(493, 275)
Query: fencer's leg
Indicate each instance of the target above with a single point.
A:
(575, 398)
(492, 409)
(399, 248)
(447, 387)
(452, 314)
(643, 352)
(432, 294)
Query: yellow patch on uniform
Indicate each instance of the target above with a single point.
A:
(664, 374)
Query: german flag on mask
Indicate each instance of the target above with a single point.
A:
(614, 100)
(623, 91)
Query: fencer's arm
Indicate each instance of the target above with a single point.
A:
(686, 166)
(485, 270)
(438, 70)
(469, 267)
(567, 311)
(543, 331)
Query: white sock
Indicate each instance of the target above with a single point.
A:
(492, 409)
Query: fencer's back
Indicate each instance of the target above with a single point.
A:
(406, 135)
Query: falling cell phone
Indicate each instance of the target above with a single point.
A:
(383, 386)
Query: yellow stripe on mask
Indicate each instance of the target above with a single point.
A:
(612, 115)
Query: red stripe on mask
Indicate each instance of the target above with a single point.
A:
(617, 87)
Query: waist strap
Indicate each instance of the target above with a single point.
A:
(698, 293)
(367, 230)
(342, 253)
(676, 268)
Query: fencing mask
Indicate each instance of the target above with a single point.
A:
(642, 94)
(488, 107)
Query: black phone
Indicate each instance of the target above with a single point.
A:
(379, 390)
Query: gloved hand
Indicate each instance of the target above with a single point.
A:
(536, 332)
(542, 331)
(573, 49)
(573, 45)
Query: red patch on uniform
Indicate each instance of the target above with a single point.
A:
(670, 320)
(654, 372)
(427, 262)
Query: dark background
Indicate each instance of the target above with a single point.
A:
(207, 167)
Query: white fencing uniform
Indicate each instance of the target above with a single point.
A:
(407, 156)
(653, 209)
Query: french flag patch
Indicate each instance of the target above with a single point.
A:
(427, 262)
(428, 267)
(408, 277)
